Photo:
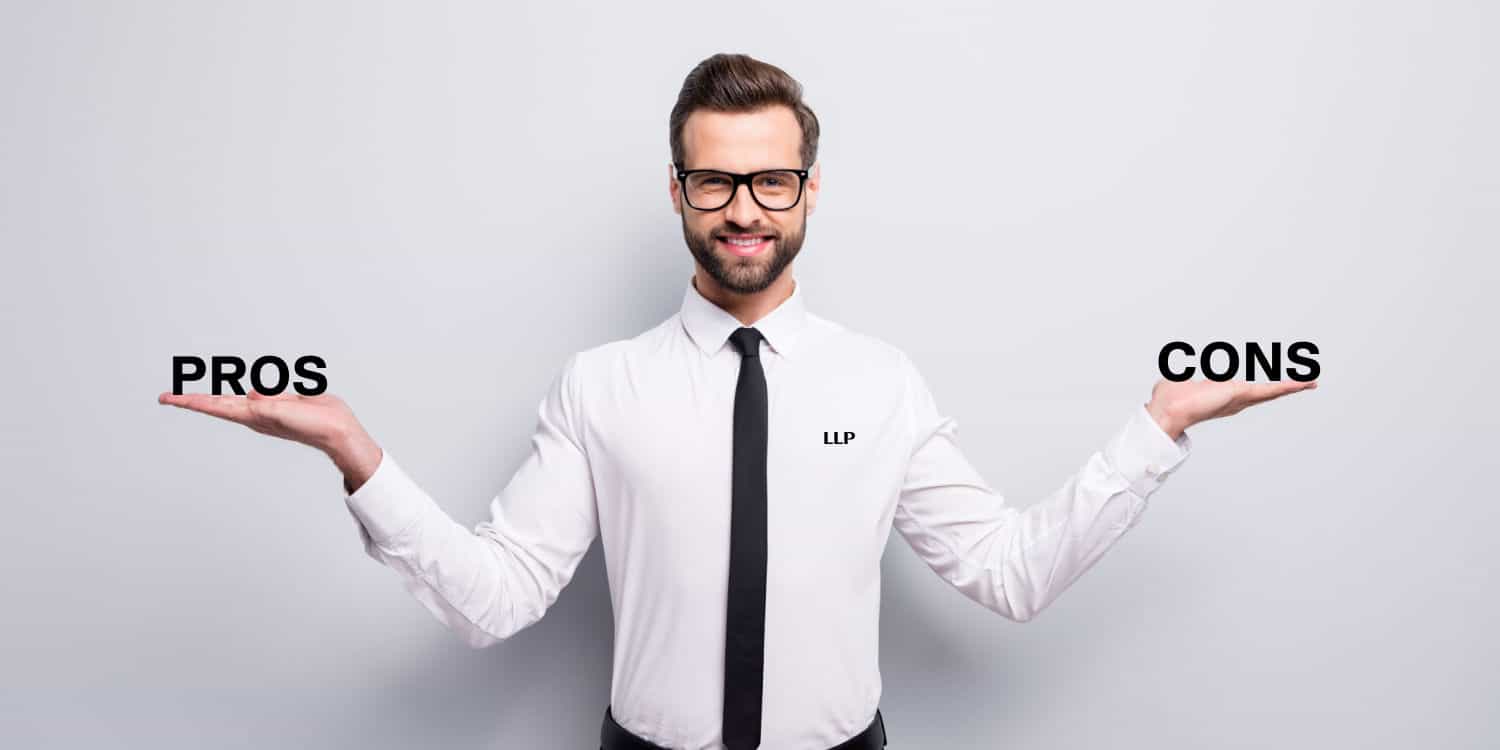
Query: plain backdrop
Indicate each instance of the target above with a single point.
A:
(445, 200)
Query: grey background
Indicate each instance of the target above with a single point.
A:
(445, 200)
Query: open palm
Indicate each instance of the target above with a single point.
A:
(1182, 404)
(319, 421)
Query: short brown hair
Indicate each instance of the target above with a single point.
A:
(740, 83)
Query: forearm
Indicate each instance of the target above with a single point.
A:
(502, 575)
(484, 583)
(1016, 562)
(1069, 531)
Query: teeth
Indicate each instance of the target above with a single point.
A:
(743, 243)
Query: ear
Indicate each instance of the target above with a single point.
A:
(814, 181)
(673, 188)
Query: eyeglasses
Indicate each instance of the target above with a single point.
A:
(711, 189)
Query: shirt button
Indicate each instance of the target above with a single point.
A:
(1153, 469)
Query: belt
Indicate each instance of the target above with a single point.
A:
(612, 736)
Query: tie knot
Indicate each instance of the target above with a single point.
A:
(747, 340)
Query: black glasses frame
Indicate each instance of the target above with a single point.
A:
(741, 179)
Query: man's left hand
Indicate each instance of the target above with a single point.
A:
(1177, 406)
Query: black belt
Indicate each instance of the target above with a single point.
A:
(612, 736)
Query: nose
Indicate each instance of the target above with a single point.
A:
(742, 209)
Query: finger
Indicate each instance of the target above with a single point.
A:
(1259, 392)
(232, 408)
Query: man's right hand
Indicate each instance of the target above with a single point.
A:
(324, 422)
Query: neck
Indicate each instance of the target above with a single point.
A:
(747, 308)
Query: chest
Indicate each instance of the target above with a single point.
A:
(661, 449)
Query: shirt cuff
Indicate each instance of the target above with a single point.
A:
(1143, 454)
(389, 503)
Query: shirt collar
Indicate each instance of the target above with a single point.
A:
(710, 325)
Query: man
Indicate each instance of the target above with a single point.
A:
(744, 462)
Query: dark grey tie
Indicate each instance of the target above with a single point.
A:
(745, 630)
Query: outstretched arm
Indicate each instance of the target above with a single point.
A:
(1018, 561)
(484, 584)
(490, 582)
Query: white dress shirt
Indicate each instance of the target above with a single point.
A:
(633, 442)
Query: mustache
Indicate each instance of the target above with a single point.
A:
(765, 232)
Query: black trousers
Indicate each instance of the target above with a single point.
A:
(612, 736)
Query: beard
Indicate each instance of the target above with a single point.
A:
(744, 275)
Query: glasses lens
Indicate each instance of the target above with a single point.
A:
(777, 190)
(709, 190)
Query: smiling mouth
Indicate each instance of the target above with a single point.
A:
(745, 245)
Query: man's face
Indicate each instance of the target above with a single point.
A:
(769, 138)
